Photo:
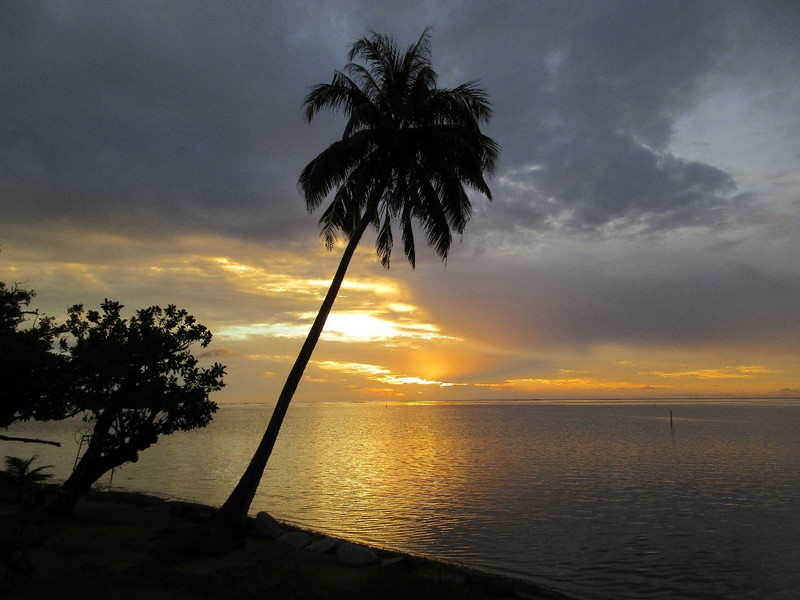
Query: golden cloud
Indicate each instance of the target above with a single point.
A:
(377, 373)
(566, 383)
(740, 372)
(351, 326)
(218, 353)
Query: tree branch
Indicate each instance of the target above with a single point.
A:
(28, 440)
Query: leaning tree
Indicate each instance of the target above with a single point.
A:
(135, 380)
(407, 153)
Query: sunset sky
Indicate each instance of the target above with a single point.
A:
(643, 240)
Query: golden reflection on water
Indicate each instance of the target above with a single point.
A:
(396, 468)
(607, 498)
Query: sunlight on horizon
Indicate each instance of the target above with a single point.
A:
(373, 309)
(341, 327)
(362, 326)
(739, 372)
(378, 373)
(410, 353)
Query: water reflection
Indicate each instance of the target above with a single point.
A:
(607, 501)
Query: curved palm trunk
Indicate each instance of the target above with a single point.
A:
(233, 512)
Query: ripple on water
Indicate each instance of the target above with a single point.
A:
(605, 501)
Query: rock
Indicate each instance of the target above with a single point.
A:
(354, 555)
(325, 545)
(394, 560)
(298, 539)
(267, 527)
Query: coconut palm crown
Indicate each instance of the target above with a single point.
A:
(407, 152)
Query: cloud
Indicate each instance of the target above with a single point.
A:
(342, 326)
(613, 186)
(647, 199)
(538, 383)
(154, 119)
(223, 352)
(379, 374)
(151, 116)
(670, 292)
(587, 112)
(744, 371)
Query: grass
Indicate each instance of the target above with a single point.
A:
(136, 546)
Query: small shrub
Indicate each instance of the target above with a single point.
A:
(24, 480)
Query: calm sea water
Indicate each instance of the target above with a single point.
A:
(602, 501)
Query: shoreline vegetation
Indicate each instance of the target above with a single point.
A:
(135, 545)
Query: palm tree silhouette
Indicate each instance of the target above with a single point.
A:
(406, 154)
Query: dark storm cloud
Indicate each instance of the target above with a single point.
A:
(171, 114)
(154, 117)
(646, 196)
(187, 117)
(588, 296)
(586, 121)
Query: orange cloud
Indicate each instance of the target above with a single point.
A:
(218, 353)
(531, 384)
(740, 372)
(377, 373)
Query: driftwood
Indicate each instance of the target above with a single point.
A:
(9, 438)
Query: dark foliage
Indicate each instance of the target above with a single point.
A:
(34, 377)
(136, 380)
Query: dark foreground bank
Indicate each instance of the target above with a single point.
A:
(137, 546)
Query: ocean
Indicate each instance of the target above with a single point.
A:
(608, 501)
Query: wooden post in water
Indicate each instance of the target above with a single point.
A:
(670, 419)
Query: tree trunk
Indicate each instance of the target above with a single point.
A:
(75, 487)
(89, 469)
(233, 512)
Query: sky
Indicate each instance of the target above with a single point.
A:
(642, 241)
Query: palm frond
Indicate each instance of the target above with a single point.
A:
(342, 94)
(383, 245)
(19, 472)
(410, 145)
(408, 236)
(331, 168)
(362, 77)
(433, 218)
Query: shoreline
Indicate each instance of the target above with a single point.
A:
(162, 548)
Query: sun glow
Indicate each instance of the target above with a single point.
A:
(368, 310)
(289, 279)
(378, 373)
(363, 327)
(341, 327)
(360, 326)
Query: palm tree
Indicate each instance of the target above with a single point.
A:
(21, 477)
(406, 154)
